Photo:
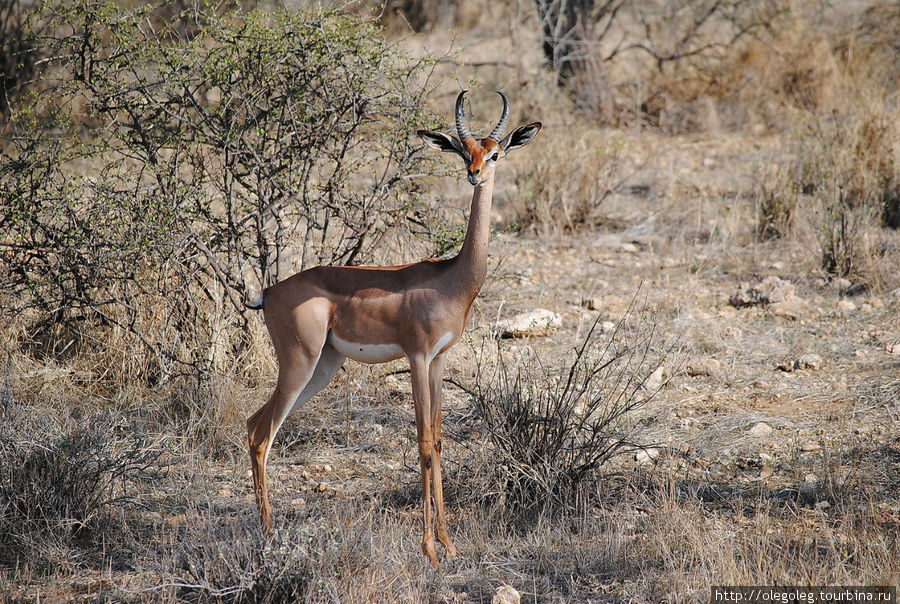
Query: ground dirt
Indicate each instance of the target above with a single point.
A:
(771, 448)
(760, 468)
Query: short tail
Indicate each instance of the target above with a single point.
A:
(254, 305)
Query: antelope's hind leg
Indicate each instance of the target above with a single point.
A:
(301, 374)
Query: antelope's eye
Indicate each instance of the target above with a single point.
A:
(494, 157)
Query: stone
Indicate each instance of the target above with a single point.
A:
(789, 309)
(808, 446)
(535, 323)
(808, 361)
(846, 306)
(892, 348)
(655, 380)
(760, 430)
(507, 594)
(705, 367)
(647, 456)
(770, 290)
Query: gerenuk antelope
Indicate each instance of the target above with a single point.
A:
(319, 317)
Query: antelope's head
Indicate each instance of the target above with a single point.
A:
(481, 155)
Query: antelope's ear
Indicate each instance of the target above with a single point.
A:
(444, 142)
(520, 137)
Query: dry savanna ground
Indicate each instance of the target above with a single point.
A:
(689, 244)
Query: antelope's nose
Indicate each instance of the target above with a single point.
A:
(473, 177)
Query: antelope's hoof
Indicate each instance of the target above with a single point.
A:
(444, 538)
(428, 550)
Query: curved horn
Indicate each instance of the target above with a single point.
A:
(500, 129)
(461, 128)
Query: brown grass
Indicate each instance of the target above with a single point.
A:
(759, 154)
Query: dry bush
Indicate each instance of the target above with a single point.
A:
(740, 65)
(552, 431)
(345, 550)
(561, 185)
(834, 79)
(66, 484)
(842, 167)
(840, 530)
(635, 61)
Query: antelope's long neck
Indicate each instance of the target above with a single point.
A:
(472, 258)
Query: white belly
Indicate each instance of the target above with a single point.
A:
(365, 353)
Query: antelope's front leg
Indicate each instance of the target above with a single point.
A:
(421, 398)
(435, 380)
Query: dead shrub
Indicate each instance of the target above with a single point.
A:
(552, 430)
(776, 202)
(845, 164)
(347, 551)
(66, 484)
(550, 205)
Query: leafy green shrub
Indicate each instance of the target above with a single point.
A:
(168, 177)
(18, 51)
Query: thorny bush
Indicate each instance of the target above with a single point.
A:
(551, 431)
(165, 177)
(66, 488)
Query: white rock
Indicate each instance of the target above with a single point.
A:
(506, 595)
(846, 306)
(808, 361)
(655, 380)
(790, 309)
(538, 322)
(760, 430)
(647, 456)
